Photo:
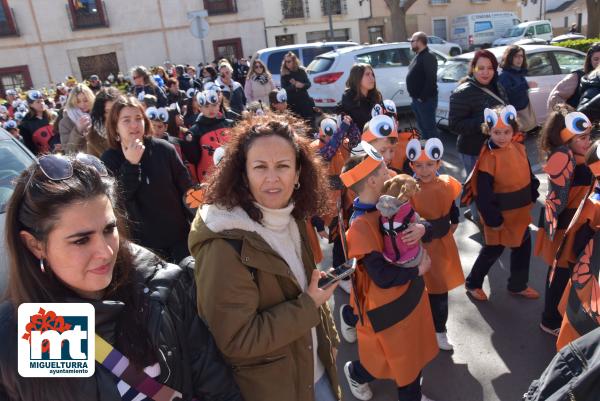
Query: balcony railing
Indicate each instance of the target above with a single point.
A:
(338, 7)
(292, 8)
(85, 18)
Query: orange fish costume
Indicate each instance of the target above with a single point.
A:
(396, 337)
(434, 202)
(582, 295)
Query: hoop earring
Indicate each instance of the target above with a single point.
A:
(42, 267)
(297, 186)
(118, 138)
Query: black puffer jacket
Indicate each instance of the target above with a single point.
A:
(589, 103)
(188, 358)
(299, 101)
(467, 103)
(359, 110)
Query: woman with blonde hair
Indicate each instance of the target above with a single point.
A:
(259, 83)
(296, 83)
(76, 122)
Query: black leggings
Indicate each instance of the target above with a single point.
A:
(554, 290)
(439, 311)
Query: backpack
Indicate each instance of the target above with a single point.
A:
(572, 375)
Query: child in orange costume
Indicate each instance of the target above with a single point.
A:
(582, 294)
(395, 331)
(565, 138)
(434, 202)
(505, 190)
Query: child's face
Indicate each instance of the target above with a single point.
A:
(280, 107)
(385, 148)
(425, 170)
(501, 136)
(378, 180)
(158, 128)
(580, 144)
(210, 110)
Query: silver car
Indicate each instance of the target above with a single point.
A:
(14, 158)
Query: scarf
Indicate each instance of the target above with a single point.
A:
(261, 78)
(75, 113)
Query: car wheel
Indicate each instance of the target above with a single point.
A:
(454, 51)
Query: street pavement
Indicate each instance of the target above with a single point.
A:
(498, 346)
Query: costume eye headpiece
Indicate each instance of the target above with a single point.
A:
(390, 106)
(281, 96)
(505, 118)
(381, 126)
(417, 150)
(155, 114)
(576, 123)
(377, 110)
(190, 92)
(212, 86)
(34, 95)
(328, 126)
(10, 124)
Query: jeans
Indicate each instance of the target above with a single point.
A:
(323, 390)
(425, 115)
(519, 265)
(469, 163)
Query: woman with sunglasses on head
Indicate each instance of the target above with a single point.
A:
(296, 83)
(259, 83)
(66, 243)
(152, 180)
(144, 82)
(36, 130)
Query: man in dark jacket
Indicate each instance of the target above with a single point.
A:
(421, 82)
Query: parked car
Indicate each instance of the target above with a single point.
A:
(273, 56)
(546, 66)
(329, 72)
(14, 158)
(443, 46)
(476, 31)
(525, 30)
(568, 36)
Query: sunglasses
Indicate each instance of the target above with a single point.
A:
(59, 168)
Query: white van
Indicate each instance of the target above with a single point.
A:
(526, 30)
(476, 31)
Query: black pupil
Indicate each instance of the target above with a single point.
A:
(385, 130)
(580, 124)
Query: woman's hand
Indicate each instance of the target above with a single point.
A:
(425, 264)
(133, 151)
(84, 124)
(318, 295)
(413, 234)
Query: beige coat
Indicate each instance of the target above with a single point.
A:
(71, 138)
(260, 318)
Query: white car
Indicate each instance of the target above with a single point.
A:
(14, 158)
(547, 65)
(442, 46)
(329, 72)
(531, 29)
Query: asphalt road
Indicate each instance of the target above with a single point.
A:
(498, 346)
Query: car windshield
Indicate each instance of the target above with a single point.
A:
(13, 160)
(514, 31)
(319, 64)
(453, 70)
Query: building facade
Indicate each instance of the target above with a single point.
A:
(434, 17)
(562, 14)
(304, 21)
(43, 41)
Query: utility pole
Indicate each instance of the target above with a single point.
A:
(329, 8)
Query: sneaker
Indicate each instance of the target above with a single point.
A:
(553, 332)
(348, 332)
(528, 293)
(442, 340)
(477, 294)
(359, 391)
(346, 285)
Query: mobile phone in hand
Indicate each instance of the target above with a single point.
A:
(342, 271)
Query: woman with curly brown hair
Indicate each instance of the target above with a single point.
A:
(257, 282)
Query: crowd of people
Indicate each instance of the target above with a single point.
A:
(187, 207)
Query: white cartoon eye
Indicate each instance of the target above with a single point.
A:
(201, 98)
(211, 96)
(152, 113)
(508, 115)
(381, 126)
(413, 149)
(19, 115)
(490, 117)
(329, 126)
(163, 115)
(34, 95)
(141, 96)
(10, 124)
(218, 155)
(434, 149)
(371, 151)
(282, 96)
(577, 122)
(376, 111)
(23, 108)
(190, 92)
(390, 106)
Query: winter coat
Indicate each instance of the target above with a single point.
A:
(589, 103)
(421, 79)
(566, 91)
(235, 94)
(359, 110)
(517, 89)
(255, 308)
(96, 143)
(161, 98)
(72, 140)
(152, 193)
(188, 358)
(256, 91)
(467, 103)
(39, 136)
(299, 101)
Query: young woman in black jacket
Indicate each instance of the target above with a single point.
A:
(589, 103)
(361, 94)
(152, 180)
(65, 241)
(143, 82)
(296, 83)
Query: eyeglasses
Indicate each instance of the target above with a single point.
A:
(59, 168)
(258, 66)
